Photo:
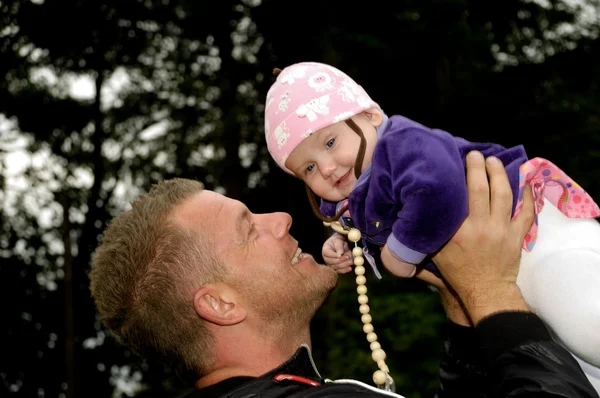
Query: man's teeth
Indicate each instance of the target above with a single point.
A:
(297, 256)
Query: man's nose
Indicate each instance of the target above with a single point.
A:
(280, 224)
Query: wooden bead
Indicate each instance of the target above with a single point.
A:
(363, 299)
(354, 235)
(379, 377)
(359, 261)
(361, 280)
(382, 366)
(357, 251)
(371, 337)
(366, 318)
(375, 345)
(367, 328)
(361, 289)
(378, 355)
(364, 309)
(360, 270)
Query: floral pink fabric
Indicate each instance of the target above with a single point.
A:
(305, 98)
(549, 182)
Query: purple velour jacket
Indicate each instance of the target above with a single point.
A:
(413, 195)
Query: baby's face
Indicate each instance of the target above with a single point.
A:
(325, 160)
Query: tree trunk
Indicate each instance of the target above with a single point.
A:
(70, 361)
(233, 178)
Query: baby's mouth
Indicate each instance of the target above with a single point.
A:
(344, 179)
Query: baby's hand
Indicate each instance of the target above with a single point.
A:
(336, 254)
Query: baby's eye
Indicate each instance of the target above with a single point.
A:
(310, 168)
(330, 143)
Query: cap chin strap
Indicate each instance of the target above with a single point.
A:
(357, 169)
(360, 156)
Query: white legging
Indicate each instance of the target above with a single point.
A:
(560, 281)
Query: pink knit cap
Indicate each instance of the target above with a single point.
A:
(305, 98)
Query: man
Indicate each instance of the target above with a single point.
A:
(193, 278)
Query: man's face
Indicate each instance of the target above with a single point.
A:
(277, 283)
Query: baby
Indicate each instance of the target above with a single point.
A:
(403, 186)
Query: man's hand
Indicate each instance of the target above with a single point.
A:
(450, 300)
(481, 261)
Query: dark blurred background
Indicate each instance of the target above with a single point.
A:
(100, 99)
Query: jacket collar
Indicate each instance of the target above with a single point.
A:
(300, 364)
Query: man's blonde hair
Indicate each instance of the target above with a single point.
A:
(144, 275)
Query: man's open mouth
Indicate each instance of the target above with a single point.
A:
(298, 256)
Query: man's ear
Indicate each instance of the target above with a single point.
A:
(219, 304)
(374, 115)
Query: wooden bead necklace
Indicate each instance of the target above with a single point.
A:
(382, 376)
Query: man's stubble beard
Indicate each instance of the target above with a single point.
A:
(295, 306)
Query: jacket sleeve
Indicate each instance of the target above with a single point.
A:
(425, 175)
(523, 361)
(509, 354)
(461, 370)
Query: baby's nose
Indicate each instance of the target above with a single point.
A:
(327, 169)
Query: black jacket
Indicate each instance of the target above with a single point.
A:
(508, 355)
